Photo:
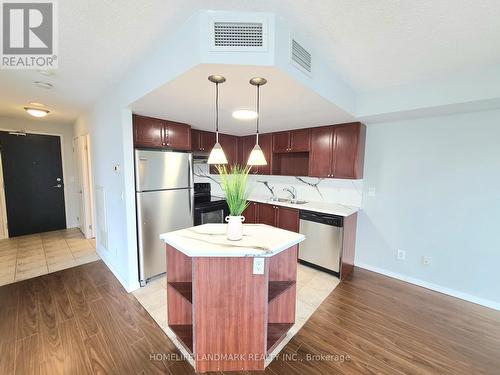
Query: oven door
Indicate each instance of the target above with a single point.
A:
(213, 213)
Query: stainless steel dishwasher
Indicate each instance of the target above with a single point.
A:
(322, 247)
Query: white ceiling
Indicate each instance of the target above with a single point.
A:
(373, 44)
(285, 103)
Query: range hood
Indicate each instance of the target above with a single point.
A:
(200, 157)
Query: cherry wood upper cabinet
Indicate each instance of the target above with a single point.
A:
(157, 133)
(148, 131)
(337, 151)
(265, 143)
(177, 136)
(320, 156)
(229, 144)
(202, 140)
(288, 218)
(196, 140)
(300, 140)
(281, 142)
(246, 144)
(291, 141)
(349, 150)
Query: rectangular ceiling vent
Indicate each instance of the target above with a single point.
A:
(300, 57)
(238, 34)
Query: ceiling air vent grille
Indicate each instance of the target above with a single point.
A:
(301, 57)
(238, 34)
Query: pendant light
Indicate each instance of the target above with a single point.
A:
(257, 156)
(217, 155)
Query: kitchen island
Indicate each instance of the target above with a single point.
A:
(230, 303)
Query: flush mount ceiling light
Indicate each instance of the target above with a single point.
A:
(46, 72)
(44, 85)
(37, 104)
(244, 114)
(257, 156)
(217, 155)
(37, 112)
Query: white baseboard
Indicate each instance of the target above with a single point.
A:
(129, 287)
(437, 288)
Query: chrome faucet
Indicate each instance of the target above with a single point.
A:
(292, 191)
(270, 188)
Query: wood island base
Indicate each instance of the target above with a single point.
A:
(227, 317)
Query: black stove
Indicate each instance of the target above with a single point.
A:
(207, 208)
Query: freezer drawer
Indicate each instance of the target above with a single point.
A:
(161, 170)
(159, 212)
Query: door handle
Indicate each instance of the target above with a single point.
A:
(57, 186)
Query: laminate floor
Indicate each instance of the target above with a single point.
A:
(313, 287)
(25, 257)
(81, 321)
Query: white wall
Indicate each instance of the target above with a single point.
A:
(69, 167)
(109, 124)
(437, 186)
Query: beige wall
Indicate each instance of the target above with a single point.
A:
(65, 131)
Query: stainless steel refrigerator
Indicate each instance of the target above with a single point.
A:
(164, 198)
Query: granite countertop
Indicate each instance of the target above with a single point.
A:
(209, 240)
(324, 207)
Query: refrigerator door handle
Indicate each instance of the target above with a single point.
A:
(191, 180)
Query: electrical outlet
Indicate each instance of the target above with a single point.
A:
(258, 266)
(401, 255)
(372, 192)
(426, 260)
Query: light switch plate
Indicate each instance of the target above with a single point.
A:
(258, 266)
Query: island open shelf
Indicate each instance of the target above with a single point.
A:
(225, 315)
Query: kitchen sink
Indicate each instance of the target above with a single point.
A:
(297, 202)
(291, 201)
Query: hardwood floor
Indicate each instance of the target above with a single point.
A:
(81, 321)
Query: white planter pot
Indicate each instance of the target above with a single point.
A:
(235, 227)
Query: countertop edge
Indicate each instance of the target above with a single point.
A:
(243, 254)
(310, 206)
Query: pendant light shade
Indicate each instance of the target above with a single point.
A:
(217, 155)
(257, 156)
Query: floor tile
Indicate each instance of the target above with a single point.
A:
(31, 272)
(34, 255)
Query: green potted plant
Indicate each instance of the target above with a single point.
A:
(233, 182)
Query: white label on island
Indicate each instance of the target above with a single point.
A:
(258, 266)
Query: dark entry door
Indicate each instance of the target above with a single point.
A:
(34, 186)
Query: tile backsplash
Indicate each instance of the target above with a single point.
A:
(348, 192)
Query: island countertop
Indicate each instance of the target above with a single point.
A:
(209, 240)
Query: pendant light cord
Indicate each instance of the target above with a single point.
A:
(216, 112)
(258, 114)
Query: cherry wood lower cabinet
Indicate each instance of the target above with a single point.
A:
(250, 213)
(226, 330)
(276, 216)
